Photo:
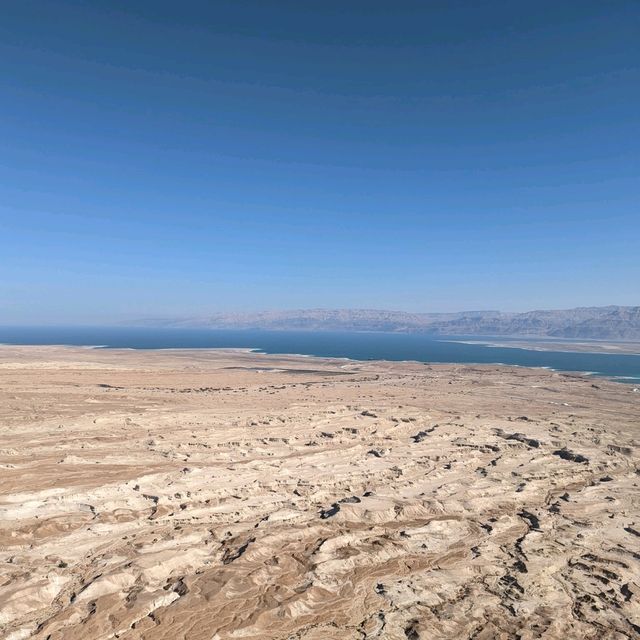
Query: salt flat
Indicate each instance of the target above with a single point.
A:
(225, 494)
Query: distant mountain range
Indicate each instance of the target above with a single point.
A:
(596, 323)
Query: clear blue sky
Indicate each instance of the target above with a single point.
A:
(173, 158)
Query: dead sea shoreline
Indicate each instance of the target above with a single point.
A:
(628, 380)
(540, 344)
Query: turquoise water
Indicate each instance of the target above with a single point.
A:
(358, 346)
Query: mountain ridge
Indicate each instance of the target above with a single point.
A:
(611, 322)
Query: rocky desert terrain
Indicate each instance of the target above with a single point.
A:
(210, 495)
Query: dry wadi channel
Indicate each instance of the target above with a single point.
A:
(207, 495)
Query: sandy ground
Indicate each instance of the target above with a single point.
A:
(573, 346)
(207, 495)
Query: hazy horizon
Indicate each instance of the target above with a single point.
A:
(200, 320)
(172, 160)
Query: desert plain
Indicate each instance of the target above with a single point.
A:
(218, 494)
